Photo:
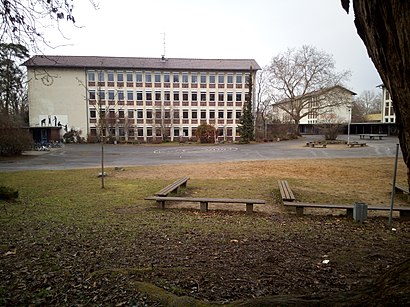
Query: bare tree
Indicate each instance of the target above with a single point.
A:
(263, 103)
(384, 27)
(300, 77)
(370, 102)
(23, 21)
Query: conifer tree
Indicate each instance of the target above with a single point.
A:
(246, 129)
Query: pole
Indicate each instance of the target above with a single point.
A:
(393, 185)
(102, 162)
(348, 125)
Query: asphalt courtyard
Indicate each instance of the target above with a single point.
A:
(72, 156)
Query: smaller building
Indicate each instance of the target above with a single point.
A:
(388, 115)
(326, 106)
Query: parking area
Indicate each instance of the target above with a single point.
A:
(89, 155)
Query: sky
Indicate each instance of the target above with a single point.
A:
(217, 29)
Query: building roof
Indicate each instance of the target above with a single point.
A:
(98, 62)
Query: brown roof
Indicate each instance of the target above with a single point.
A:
(95, 62)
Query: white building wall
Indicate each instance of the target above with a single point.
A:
(388, 115)
(57, 98)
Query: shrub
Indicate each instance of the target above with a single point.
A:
(13, 139)
(7, 193)
(206, 133)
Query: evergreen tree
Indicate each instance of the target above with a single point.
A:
(246, 129)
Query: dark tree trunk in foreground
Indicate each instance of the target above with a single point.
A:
(384, 27)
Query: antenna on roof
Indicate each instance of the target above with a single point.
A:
(163, 43)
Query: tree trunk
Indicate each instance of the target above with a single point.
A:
(384, 27)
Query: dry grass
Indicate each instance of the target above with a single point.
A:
(322, 181)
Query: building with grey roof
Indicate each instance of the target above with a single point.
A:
(136, 99)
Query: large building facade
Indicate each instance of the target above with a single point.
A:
(136, 99)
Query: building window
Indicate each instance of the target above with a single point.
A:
(129, 76)
(203, 78)
(140, 113)
(138, 77)
(229, 114)
(203, 114)
(130, 95)
(203, 96)
(176, 96)
(167, 96)
(194, 78)
(212, 78)
(149, 113)
(176, 132)
(91, 94)
(175, 77)
(239, 96)
(238, 78)
(220, 114)
(121, 114)
(185, 131)
(176, 114)
(101, 95)
(212, 96)
(185, 114)
(229, 96)
(121, 95)
(93, 113)
(157, 95)
(101, 76)
(220, 96)
(110, 76)
(221, 78)
(194, 114)
(158, 114)
(91, 76)
(139, 95)
(131, 132)
(140, 132)
(167, 114)
(148, 78)
(211, 114)
(120, 76)
(148, 96)
(166, 77)
(130, 113)
(185, 96)
(184, 77)
(111, 94)
(238, 114)
(149, 131)
(157, 77)
(230, 79)
(194, 96)
(387, 95)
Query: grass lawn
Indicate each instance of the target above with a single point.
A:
(69, 242)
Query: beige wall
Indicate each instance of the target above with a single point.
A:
(57, 97)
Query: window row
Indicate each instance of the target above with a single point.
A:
(167, 77)
(168, 114)
(166, 96)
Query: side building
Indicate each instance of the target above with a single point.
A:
(136, 99)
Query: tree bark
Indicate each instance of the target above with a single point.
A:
(384, 27)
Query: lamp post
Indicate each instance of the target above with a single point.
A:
(348, 124)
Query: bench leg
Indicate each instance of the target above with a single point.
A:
(203, 206)
(161, 204)
(299, 210)
(249, 209)
(404, 214)
(349, 213)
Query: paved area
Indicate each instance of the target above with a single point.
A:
(89, 155)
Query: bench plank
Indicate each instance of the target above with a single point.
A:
(203, 202)
(404, 211)
(173, 187)
(285, 191)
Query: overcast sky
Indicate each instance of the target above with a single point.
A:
(257, 29)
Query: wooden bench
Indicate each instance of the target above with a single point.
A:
(372, 136)
(316, 144)
(285, 191)
(299, 206)
(353, 144)
(401, 188)
(203, 202)
(173, 187)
